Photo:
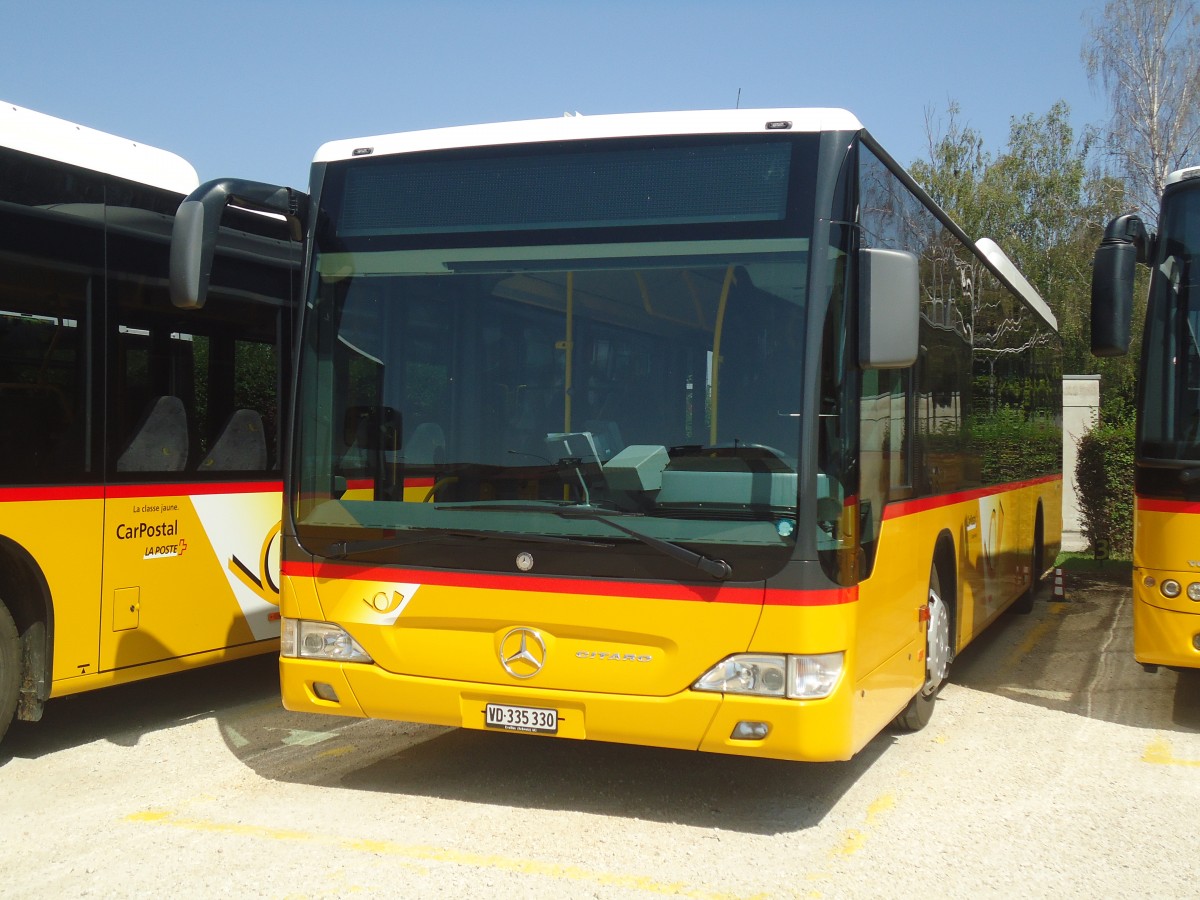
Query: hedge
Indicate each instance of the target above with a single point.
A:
(1104, 481)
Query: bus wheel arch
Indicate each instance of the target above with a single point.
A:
(940, 635)
(25, 602)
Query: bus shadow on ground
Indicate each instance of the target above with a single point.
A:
(242, 698)
(1075, 654)
(123, 714)
(706, 790)
(677, 787)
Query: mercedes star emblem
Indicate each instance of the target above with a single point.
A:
(522, 652)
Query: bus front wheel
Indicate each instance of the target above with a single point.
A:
(938, 651)
(10, 668)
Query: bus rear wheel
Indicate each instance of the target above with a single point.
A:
(10, 668)
(938, 651)
(1024, 604)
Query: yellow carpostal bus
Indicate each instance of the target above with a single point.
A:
(697, 430)
(139, 464)
(1166, 512)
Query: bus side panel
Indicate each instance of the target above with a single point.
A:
(889, 600)
(186, 574)
(62, 535)
(997, 549)
(1165, 629)
(889, 645)
(992, 531)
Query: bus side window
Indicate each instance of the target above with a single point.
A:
(42, 364)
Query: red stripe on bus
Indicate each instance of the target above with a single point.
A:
(60, 492)
(830, 597)
(604, 587)
(922, 504)
(133, 491)
(129, 491)
(1149, 504)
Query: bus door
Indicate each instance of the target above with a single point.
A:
(192, 508)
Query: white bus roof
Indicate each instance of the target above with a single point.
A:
(1015, 279)
(1183, 175)
(579, 127)
(57, 139)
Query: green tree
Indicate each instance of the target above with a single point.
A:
(953, 173)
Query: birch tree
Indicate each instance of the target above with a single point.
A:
(1145, 54)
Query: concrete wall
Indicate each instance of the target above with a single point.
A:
(1081, 411)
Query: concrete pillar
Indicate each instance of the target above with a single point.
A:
(1081, 412)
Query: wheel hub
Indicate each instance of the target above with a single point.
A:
(937, 643)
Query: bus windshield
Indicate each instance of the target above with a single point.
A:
(466, 386)
(1170, 419)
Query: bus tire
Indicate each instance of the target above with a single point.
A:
(10, 668)
(1024, 604)
(938, 650)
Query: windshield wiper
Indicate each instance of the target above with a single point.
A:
(715, 568)
(342, 549)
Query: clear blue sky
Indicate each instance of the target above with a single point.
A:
(252, 88)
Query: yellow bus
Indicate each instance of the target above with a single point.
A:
(1166, 512)
(140, 475)
(695, 430)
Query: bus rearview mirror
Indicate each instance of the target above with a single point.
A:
(1126, 243)
(889, 308)
(1112, 298)
(198, 222)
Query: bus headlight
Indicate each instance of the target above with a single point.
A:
(768, 675)
(813, 677)
(319, 640)
(1170, 588)
(1193, 591)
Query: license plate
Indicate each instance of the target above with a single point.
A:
(521, 718)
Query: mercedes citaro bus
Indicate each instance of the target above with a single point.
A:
(690, 430)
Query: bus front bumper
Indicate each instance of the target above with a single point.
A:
(1166, 632)
(815, 731)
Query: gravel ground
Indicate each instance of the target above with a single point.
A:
(1053, 767)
